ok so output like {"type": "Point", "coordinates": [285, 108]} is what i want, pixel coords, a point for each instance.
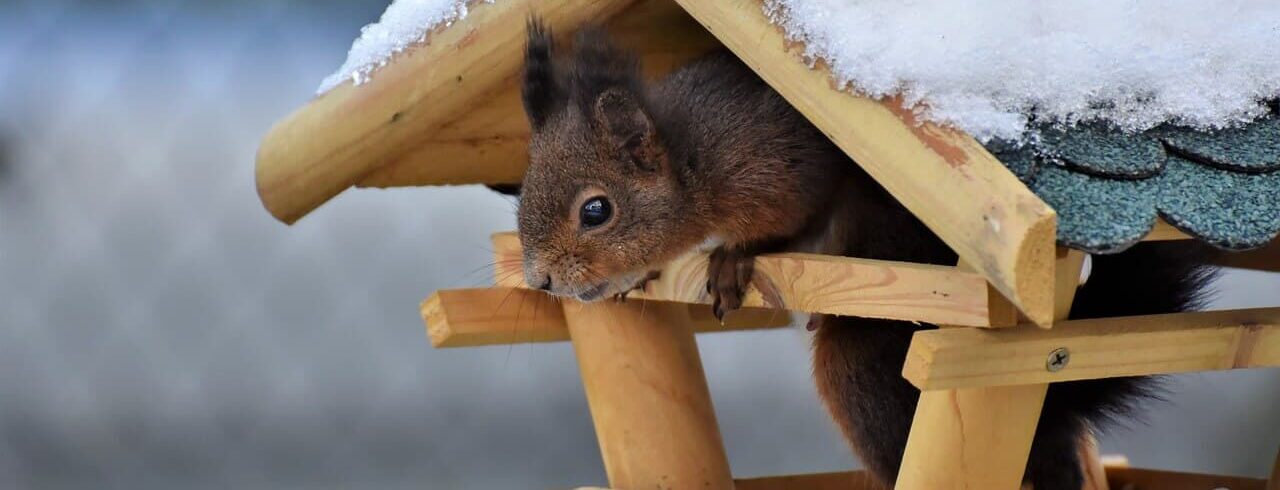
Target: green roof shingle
{"type": "Point", "coordinates": [1109, 186]}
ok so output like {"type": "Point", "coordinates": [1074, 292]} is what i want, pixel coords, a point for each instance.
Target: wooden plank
{"type": "Point", "coordinates": [1102, 348]}
{"type": "Point", "coordinates": [1163, 231]}
{"type": "Point", "coordinates": [971, 438]}
{"type": "Point", "coordinates": [1066, 280]}
{"type": "Point", "coordinates": [841, 480]}
{"type": "Point", "coordinates": [499, 316]}
{"type": "Point", "coordinates": [489, 143]}
{"type": "Point", "coordinates": [1000, 312]}
{"type": "Point", "coordinates": [1095, 473]}
{"type": "Point", "coordinates": [343, 135]}
{"type": "Point", "coordinates": [1144, 479]}
{"type": "Point", "coordinates": [948, 180]}
{"type": "Point", "coordinates": [981, 437]}
{"type": "Point", "coordinates": [648, 396]}
{"type": "Point", "coordinates": [812, 284]}
{"type": "Point", "coordinates": [1263, 259]}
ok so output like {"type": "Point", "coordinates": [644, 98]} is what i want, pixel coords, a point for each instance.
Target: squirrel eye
{"type": "Point", "coordinates": [595, 212]}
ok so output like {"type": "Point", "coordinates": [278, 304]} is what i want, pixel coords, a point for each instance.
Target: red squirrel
{"type": "Point", "coordinates": [625, 175]}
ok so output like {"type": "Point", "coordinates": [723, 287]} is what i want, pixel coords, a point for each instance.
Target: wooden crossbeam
{"type": "Point", "coordinates": [499, 315]}
{"type": "Point", "coordinates": [814, 284]}
{"type": "Point", "coordinates": [1119, 477]}
{"type": "Point", "coordinates": [1163, 231]}
{"type": "Point", "coordinates": [1263, 259]}
{"type": "Point", "coordinates": [489, 143]}
{"type": "Point", "coordinates": [342, 136]}
{"type": "Point", "coordinates": [945, 177]}
{"type": "Point", "coordinates": [840, 480]}
{"type": "Point", "coordinates": [1102, 348]}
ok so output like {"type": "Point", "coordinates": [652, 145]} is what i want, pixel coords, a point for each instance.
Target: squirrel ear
{"type": "Point", "coordinates": [541, 91]}
{"type": "Point", "coordinates": [627, 128]}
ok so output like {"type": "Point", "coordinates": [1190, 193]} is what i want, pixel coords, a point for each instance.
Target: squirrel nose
{"type": "Point", "coordinates": [546, 284]}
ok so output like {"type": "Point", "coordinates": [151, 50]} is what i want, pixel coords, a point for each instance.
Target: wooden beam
{"type": "Point", "coordinates": [499, 316]}
{"type": "Point", "coordinates": [1142, 479]}
{"type": "Point", "coordinates": [1119, 475]}
{"type": "Point", "coordinates": [1163, 231]}
{"type": "Point", "coordinates": [813, 284]}
{"type": "Point", "coordinates": [348, 132]}
{"type": "Point", "coordinates": [948, 180]}
{"type": "Point", "coordinates": [648, 395]}
{"type": "Point", "coordinates": [1263, 259]}
{"type": "Point", "coordinates": [1095, 472]}
{"type": "Point", "coordinates": [981, 437]}
{"type": "Point", "coordinates": [971, 438]}
{"type": "Point", "coordinates": [1102, 348]}
{"type": "Point", "coordinates": [489, 144]}
{"type": "Point", "coordinates": [841, 480]}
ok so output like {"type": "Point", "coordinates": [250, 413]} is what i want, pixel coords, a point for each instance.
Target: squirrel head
{"type": "Point", "coordinates": [600, 202]}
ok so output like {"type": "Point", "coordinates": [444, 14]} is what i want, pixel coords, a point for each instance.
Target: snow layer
{"type": "Point", "coordinates": [405, 22]}
{"type": "Point", "coordinates": [984, 65]}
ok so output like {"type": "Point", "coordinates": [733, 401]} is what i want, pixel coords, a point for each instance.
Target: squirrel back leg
{"type": "Point", "coordinates": [873, 404]}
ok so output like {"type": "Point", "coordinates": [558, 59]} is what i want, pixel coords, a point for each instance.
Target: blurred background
{"type": "Point", "coordinates": [159, 330]}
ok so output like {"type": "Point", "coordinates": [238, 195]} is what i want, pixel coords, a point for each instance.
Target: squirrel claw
{"type": "Point", "coordinates": [728, 277]}
{"type": "Point", "coordinates": [718, 311]}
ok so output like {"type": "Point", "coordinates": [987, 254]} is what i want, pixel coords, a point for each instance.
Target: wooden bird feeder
{"type": "Point", "coordinates": [447, 112]}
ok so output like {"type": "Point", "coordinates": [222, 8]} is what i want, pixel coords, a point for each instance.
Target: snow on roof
{"type": "Point", "coordinates": [405, 22]}
{"type": "Point", "coordinates": [984, 65]}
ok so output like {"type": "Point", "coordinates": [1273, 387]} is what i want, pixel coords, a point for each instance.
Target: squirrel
{"type": "Point", "coordinates": [625, 175]}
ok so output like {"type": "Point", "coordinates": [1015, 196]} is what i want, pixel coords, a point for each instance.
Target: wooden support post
{"type": "Point", "coordinates": [1095, 475]}
{"type": "Point", "coordinates": [648, 396]}
{"type": "Point", "coordinates": [980, 437]}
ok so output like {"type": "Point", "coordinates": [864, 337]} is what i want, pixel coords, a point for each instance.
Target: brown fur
{"type": "Point", "coordinates": [711, 152]}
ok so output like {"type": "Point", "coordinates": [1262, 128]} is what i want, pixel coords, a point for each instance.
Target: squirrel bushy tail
{"type": "Point", "coordinates": [858, 364]}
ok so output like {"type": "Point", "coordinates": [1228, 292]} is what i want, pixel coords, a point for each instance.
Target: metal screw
{"type": "Point", "coordinates": [1058, 359]}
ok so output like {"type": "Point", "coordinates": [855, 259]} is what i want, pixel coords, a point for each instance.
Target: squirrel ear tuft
{"type": "Point", "coordinates": [541, 91]}
{"type": "Point", "coordinates": [625, 125]}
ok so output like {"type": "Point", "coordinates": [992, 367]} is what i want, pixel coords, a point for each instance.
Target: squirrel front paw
{"type": "Point", "coordinates": [728, 277]}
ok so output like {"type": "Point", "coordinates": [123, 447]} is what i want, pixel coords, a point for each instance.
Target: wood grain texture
{"type": "Point", "coordinates": [499, 316]}
{"type": "Point", "coordinates": [971, 438]}
{"type": "Point", "coordinates": [1263, 259]}
{"type": "Point", "coordinates": [488, 144]}
{"type": "Point", "coordinates": [1095, 473]}
{"type": "Point", "coordinates": [1163, 231]}
{"type": "Point", "coordinates": [1101, 348]}
{"type": "Point", "coordinates": [648, 396]}
{"type": "Point", "coordinates": [843, 480]}
{"type": "Point", "coordinates": [340, 137]}
{"type": "Point", "coordinates": [813, 284]}
{"type": "Point", "coordinates": [946, 178]}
